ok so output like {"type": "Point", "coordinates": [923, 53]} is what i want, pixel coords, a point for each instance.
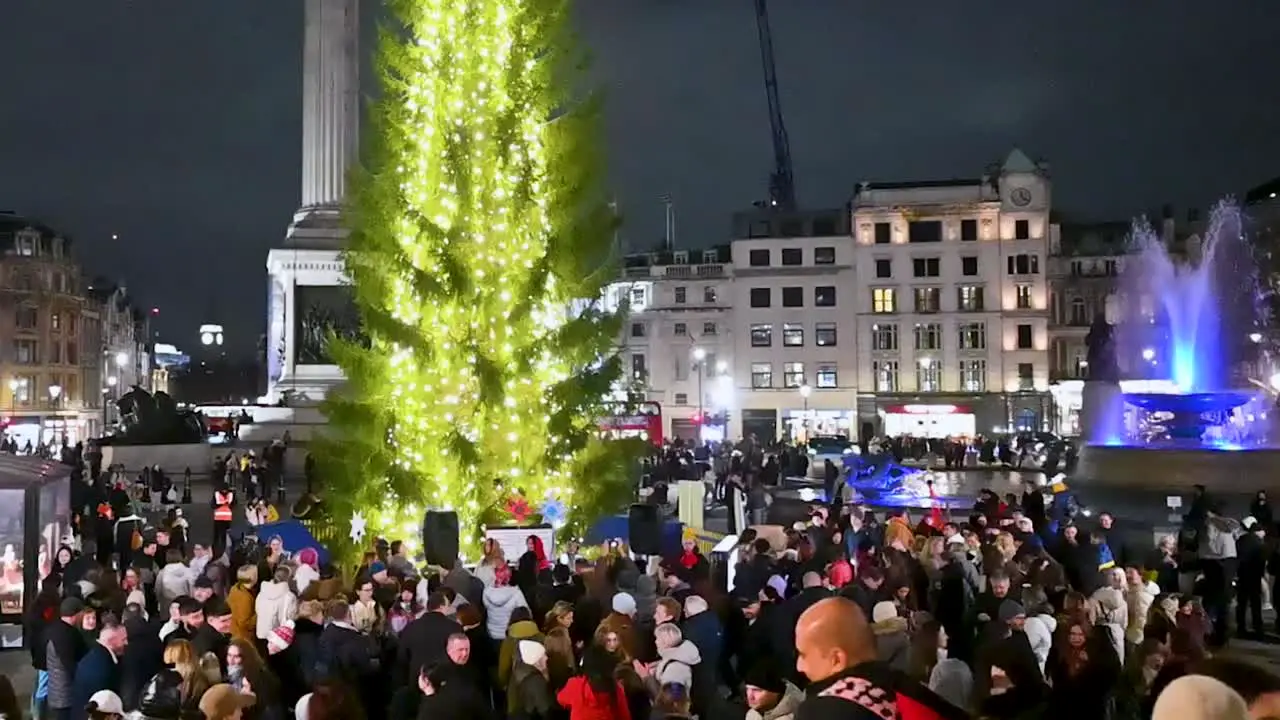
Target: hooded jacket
{"type": "Point", "coordinates": [1113, 615]}
{"type": "Point", "coordinates": [893, 645]}
{"type": "Point", "coordinates": [173, 581]}
{"type": "Point", "coordinates": [675, 664]}
{"type": "Point", "coordinates": [499, 603]}
{"type": "Point", "coordinates": [1139, 599]}
{"type": "Point", "coordinates": [275, 605]}
{"type": "Point", "coordinates": [1039, 630]}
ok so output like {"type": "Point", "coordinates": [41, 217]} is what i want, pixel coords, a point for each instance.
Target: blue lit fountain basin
{"type": "Point", "coordinates": [1228, 471]}
{"type": "Point", "coordinates": [1198, 403]}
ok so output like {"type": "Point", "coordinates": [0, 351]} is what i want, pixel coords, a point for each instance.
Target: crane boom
{"type": "Point", "coordinates": [782, 191]}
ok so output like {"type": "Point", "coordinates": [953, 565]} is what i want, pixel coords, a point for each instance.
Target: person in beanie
{"type": "Point", "coordinates": [769, 696]}
{"type": "Point", "coordinates": [529, 694]}
{"type": "Point", "coordinates": [279, 639]}
{"type": "Point", "coordinates": [64, 646]}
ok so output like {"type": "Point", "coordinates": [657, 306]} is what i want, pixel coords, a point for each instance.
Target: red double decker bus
{"type": "Point", "coordinates": [627, 420]}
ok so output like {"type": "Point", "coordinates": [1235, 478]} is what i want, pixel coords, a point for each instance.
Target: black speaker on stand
{"type": "Point", "coordinates": [644, 529]}
{"type": "Point", "coordinates": [440, 538]}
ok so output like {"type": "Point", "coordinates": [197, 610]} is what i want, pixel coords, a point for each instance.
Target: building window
{"type": "Point", "coordinates": [680, 257]}
{"type": "Point", "coordinates": [927, 299]}
{"type": "Point", "coordinates": [924, 231]}
{"type": "Point", "coordinates": [926, 267]}
{"type": "Point", "coordinates": [681, 367]}
{"type": "Point", "coordinates": [680, 295]}
{"type": "Point", "coordinates": [792, 297]}
{"type": "Point", "coordinates": [1022, 296]}
{"type": "Point", "coordinates": [1021, 230]}
{"type": "Point", "coordinates": [824, 256]}
{"type": "Point", "coordinates": [973, 375]}
{"type": "Point", "coordinates": [928, 336]}
{"type": "Point", "coordinates": [55, 321]}
{"type": "Point", "coordinates": [1026, 376]}
{"type": "Point", "coordinates": [761, 375]}
{"type": "Point", "coordinates": [1025, 337]}
{"type": "Point", "coordinates": [1024, 264]}
{"type": "Point", "coordinates": [73, 354]}
{"type": "Point", "coordinates": [792, 335]}
{"type": "Point", "coordinates": [710, 256]}
{"type": "Point", "coordinates": [707, 365]}
{"type": "Point", "coordinates": [709, 328]}
{"type": "Point", "coordinates": [884, 300]}
{"type": "Point", "coordinates": [792, 256]}
{"type": "Point", "coordinates": [27, 352]}
{"type": "Point", "coordinates": [827, 377]}
{"type": "Point", "coordinates": [824, 334]}
{"type": "Point", "coordinates": [758, 258]}
{"type": "Point", "coordinates": [884, 233]}
{"type": "Point", "coordinates": [792, 374]}
{"type": "Point", "coordinates": [682, 398]}
{"type": "Point", "coordinates": [637, 297]}
{"type": "Point", "coordinates": [928, 376]}
{"type": "Point", "coordinates": [761, 335]}
{"type": "Point", "coordinates": [973, 336]}
{"type": "Point", "coordinates": [884, 268]}
{"type": "Point", "coordinates": [969, 265]}
{"type": "Point", "coordinates": [886, 372]}
{"type": "Point", "coordinates": [761, 297]}
{"type": "Point", "coordinates": [24, 385]}
{"type": "Point", "coordinates": [71, 323]}
{"type": "Point", "coordinates": [1078, 316]}
{"type": "Point", "coordinates": [1081, 367]}
{"type": "Point", "coordinates": [637, 330]}
{"type": "Point", "coordinates": [824, 296]}
{"type": "Point", "coordinates": [884, 337]}
{"type": "Point", "coordinates": [968, 230]}
{"type": "Point", "coordinates": [709, 294]}
{"type": "Point", "coordinates": [55, 353]}
{"type": "Point", "coordinates": [681, 330]}
{"type": "Point", "coordinates": [639, 370]}
{"type": "Point", "coordinates": [27, 318]}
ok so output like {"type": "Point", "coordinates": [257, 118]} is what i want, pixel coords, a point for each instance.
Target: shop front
{"type": "Point", "coordinates": [38, 430]}
{"type": "Point", "coordinates": [799, 425]}
{"type": "Point", "coordinates": [762, 423]}
{"type": "Point", "coordinates": [931, 416]}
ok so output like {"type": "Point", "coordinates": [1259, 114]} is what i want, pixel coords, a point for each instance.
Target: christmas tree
{"type": "Point", "coordinates": [480, 241]}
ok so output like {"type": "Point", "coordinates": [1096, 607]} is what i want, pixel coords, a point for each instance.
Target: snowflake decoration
{"type": "Point", "coordinates": [518, 508]}
{"type": "Point", "coordinates": [553, 511]}
{"type": "Point", "coordinates": [357, 527]}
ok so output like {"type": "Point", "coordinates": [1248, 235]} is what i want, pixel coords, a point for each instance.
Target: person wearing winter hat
{"type": "Point", "coordinates": [104, 705]}
{"type": "Point", "coordinates": [1199, 697]}
{"type": "Point", "coordinates": [1013, 614]}
{"type": "Point", "coordinates": [893, 643]}
{"type": "Point", "coordinates": [308, 569]}
{"type": "Point", "coordinates": [624, 604]}
{"type": "Point", "coordinates": [280, 638]}
{"type": "Point", "coordinates": [769, 695]}
{"type": "Point", "coordinates": [621, 622]}
{"type": "Point", "coordinates": [529, 694]}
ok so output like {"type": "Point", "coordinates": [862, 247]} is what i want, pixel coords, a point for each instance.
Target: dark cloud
{"type": "Point", "coordinates": [176, 124]}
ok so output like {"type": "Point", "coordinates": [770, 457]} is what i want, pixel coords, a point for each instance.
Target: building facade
{"type": "Point", "coordinates": [951, 300]}
{"type": "Point", "coordinates": [678, 340]}
{"type": "Point", "coordinates": [50, 375]}
{"type": "Point", "coordinates": [793, 323]}
{"type": "Point", "coordinates": [124, 354]}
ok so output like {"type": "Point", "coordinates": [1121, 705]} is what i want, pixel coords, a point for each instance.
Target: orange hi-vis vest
{"type": "Point", "coordinates": [222, 511]}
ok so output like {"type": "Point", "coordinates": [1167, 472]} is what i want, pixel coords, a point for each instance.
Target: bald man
{"type": "Point", "coordinates": [837, 652]}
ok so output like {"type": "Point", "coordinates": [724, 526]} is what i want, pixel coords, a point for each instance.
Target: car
{"type": "Point", "coordinates": [828, 447]}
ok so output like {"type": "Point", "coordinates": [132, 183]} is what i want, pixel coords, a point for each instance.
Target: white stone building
{"type": "Point", "coordinates": [678, 342]}
{"type": "Point", "coordinates": [793, 325]}
{"type": "Point", "coordinates": [951, 302]}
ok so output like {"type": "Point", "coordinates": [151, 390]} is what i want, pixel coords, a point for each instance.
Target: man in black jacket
{"type": "Point", "coordinates": [64, 646]}
{"type": "Point", "coordinates": [423, 641]}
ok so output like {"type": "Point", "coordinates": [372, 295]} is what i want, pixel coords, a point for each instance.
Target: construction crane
{"type": "Point", "coordinates": [782, 189]}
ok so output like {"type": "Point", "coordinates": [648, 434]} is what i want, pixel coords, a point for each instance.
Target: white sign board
{"type": "Point", "coordinates": [1173, 502]}
{"type": "Point", "coordinates": [512, 540]}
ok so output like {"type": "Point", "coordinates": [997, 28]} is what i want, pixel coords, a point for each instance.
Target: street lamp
{"type": "Point", "coordinates": [112, 381]}
{"type": "Point", "coordinates": [805, 392]}
{"type": "Point", "coordinates": [1148, 354]}
{"type": "Point", "coordinates": [1255, 337]}
{"type": "Point", "coordinates": [699, 356]}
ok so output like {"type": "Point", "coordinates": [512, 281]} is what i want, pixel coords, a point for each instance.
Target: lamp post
{"type": "Point", "coordinates": [699, 355]}
{"type": "Point", "coordinates": [122, 359]}
{"type": "Point", "coordinates": [112, 381]}
{"type": "Point", "coordinates": [805, 391]}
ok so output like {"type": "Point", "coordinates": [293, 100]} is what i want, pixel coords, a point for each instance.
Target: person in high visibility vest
{"type": "Point", "coordinates": [224, 500]}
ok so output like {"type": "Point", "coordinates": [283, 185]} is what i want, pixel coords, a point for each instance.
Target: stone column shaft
{"type": "Point", "coordinates": [330, 100]}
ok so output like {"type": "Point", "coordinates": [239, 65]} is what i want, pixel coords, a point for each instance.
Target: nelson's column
{"type": "Point", "coordinates": [307, 294]}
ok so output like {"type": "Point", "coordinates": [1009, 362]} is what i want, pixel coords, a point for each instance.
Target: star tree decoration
{"type": "Point", "coordinates": [358, 524]}
{"type": "Point", "coordinates": [480, 248]}
{"type": "Point", "coordinates": [553, 512]}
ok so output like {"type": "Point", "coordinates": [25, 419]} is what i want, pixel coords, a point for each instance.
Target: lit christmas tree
{"type": "Point", "coordinates": [477, 229]}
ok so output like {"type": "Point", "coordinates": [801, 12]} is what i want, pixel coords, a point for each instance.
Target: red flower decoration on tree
{"type": "Point", "coordinates": [518, 508]}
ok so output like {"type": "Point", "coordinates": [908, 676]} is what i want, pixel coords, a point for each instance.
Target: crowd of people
{"type": "Point", "coordinates": [1019, 610]}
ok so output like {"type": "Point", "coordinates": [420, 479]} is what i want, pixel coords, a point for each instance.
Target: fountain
{"type": "Point", "coordinates": [1186, 323]}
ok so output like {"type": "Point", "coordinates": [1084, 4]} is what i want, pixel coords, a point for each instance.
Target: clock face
{"type": "Point", "coordinates": [1020, 196]}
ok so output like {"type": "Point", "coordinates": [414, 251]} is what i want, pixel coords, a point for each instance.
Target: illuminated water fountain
{"type": "Point", "coordinates": [1187, 322]}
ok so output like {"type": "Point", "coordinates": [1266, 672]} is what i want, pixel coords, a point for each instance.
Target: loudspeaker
{"type": "Point", "coordinates": [440, 538]}
{"type": "Point", "coordinates": [644, 529]}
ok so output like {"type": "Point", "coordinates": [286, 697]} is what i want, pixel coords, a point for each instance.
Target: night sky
{"type": "Point", "coordinates": [176, 123]}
